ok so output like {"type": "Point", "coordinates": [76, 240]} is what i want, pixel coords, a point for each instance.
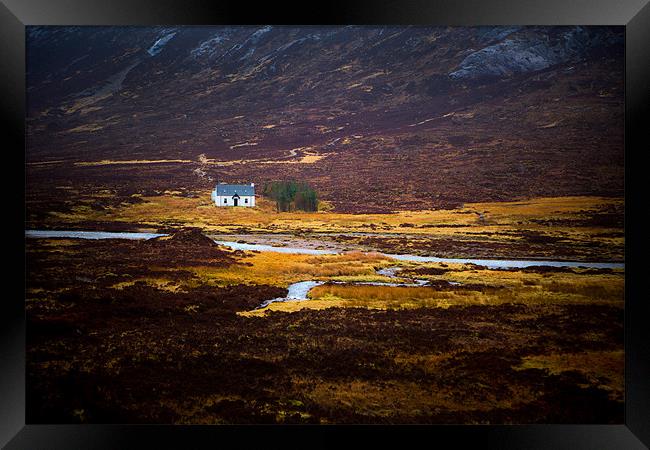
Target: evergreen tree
{"type": "Point", "coordinates": [291, 195]}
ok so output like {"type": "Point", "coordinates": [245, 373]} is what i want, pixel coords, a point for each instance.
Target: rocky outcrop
{"type": "Point", "coordinates": [532, 50]}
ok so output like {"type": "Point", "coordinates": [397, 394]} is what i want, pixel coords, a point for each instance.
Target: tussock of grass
{"type": "Point", "coordinates": [364, 279]}
{"type": "Point", "coordinates": [350, 256]}
{"type": "Point", "coordinates": [563, 282]}
{"type": "Point", "coordinates": [158, 283]}
{"type": "Point", "coordinates": [390, 297]}
{"type": "Point", "coordinates": [283, 269]}
{"type": "Point", "coordinates": [395, 297]}
{"type": "Point", "coordinates": [594, 289]}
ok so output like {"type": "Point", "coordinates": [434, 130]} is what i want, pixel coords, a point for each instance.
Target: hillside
{"type": "Point", "coordinates": [376, 118]}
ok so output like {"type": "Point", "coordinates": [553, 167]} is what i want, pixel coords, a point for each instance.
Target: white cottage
{"type": "Point", "coordinates": [234, 195]}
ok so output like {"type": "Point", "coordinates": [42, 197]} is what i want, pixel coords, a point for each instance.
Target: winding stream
{"type": "Point", "coordinates": [489, 263]}
{"type": "Point", "coordinates": [299, 291]}
{"type": "Point", "coordinates": [271, 248]}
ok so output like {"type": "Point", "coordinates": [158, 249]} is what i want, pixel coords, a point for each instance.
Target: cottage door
{"type": "Point", "coordinates": [236, 200]}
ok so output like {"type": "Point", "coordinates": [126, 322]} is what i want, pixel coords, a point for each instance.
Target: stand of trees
{"type": "Point", "coordinates": [291, 195]}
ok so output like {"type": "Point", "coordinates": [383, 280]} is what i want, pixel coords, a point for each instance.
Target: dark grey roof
{"type": "Point", "coordinates": [232, 189]}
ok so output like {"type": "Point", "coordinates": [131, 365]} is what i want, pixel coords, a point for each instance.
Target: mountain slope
{"type": "Point", "coordinates": [377, 118]}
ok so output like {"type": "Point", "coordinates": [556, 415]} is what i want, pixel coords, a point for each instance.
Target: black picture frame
{"type": "Point", "coordinates": [633, 14]}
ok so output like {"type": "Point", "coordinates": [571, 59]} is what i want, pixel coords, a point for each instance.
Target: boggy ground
{"type": "Point", "coordinates": [117, 331]}
{"type": "Point", "coordinates": [565, 228]}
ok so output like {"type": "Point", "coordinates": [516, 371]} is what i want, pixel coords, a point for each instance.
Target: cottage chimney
{"type": "Point", "coordinates": [253, 184]}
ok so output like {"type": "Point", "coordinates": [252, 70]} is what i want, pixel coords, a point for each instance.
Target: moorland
{"type": "Point", "coordinates": [479, 142]}
{"type": "Point", "coordinates": [171, 330]}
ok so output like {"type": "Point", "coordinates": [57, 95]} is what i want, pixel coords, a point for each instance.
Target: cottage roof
{"type": "Point", "coordinates": [232, 189]}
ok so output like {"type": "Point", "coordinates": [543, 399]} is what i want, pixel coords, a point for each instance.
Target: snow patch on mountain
{"type": "Point", "coordinates": [207, 47]}
{"type": "Point", "coordinates": [160, 43]}
{"type": "Point", "coordinates": [255, 36]}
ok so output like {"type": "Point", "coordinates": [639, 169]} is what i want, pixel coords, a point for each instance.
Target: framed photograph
{"type": "Point", "coordinates": [402, 221]}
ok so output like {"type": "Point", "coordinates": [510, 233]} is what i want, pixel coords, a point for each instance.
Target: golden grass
{"type": "Point", "coordinates": [397, 295]}
{"type": "Point", "coordinates": [598, 289]}
{"type": "Point", "coordinates": [353, 256]}
{"type": "Point", "coordinates": [388, 398]}
{"type": "Point", "coordinates": [283, 269]}
{"type": "Point", "coordinates": [498, 217]}
{"type": "Point", "coordinates": [279, 269]}
{"type": "Point", "coordinates": [294, 306]}
{"type": "Point", "coordinates": [499, 286]}
{"type": "Point", "coordinates": [311, 158]}
{"type": "Point", "coordinates": [543, 207]}
{"type": "Point", "coordinates": [608, 284]}
{"type": "Point", "coordinates": [158, 283]}
{"type": "Point", "coordinates": [603, 369]}
{"type": "Point", "coordinates": [429, 363]}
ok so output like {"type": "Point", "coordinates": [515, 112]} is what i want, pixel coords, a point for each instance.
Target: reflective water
{"type": "Point", "coordinates": [490, 263]}
{"type": "Point", "coordinates": [89, 234]}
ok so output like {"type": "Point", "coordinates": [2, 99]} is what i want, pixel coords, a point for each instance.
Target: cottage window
{"type": "Point", "coordinates": [245, 200]}
{"type": "Point", "coordinates": [225, 200]}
